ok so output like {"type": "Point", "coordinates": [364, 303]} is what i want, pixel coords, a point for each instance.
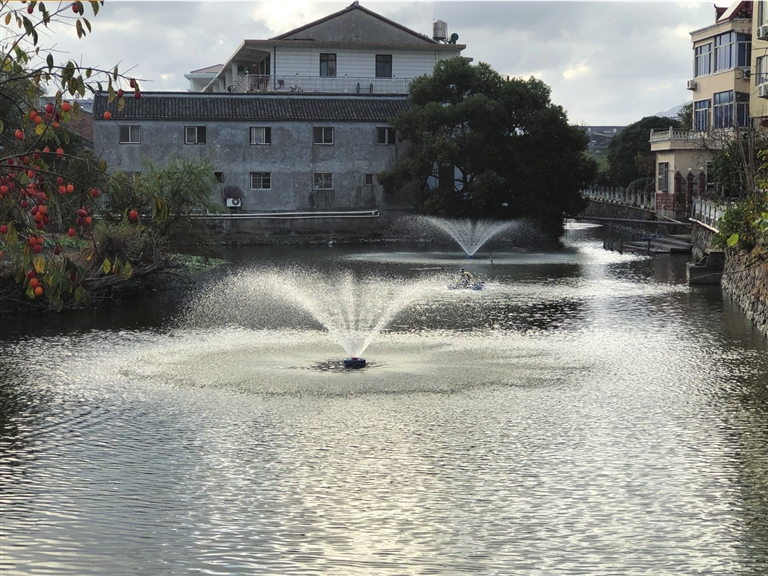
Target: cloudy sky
{"type": "Point", "coordinates": [608, 63]}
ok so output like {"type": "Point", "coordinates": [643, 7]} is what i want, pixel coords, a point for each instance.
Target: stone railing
{"type": "Point", "coordinates": [337, 84]}
{"type": "Point", "coordinates": [618, 195]}
{"type": "Point", "coordinates": [672, 134]}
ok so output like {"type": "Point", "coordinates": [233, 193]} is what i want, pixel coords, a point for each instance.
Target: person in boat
{"type": "Point", "coordinates": [465, 278]}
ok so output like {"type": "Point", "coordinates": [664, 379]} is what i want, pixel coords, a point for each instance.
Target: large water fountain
{"type": "Point", "coordinates": [353, 308]}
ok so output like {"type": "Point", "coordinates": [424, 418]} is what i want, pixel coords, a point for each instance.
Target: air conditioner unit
{"type": "Point", "coordinates": [691, 85]}
{"type": "Point", "coordinates": [762, 91]}
{"type": "Point", "coordinates": [234, 202]}
{"type": "Point", "coordinates": [762, 32]}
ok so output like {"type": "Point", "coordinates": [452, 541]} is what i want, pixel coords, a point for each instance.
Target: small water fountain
{"type": "Point", "coordinates": [469, 234]}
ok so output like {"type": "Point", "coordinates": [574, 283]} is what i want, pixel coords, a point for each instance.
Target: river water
{"type": "Point", "coordinates": [585, 413]}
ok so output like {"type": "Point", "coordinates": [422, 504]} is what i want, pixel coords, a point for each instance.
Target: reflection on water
{"type": "Point", "coordinates": [587, 413]}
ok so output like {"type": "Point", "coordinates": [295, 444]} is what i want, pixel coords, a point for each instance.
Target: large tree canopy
{"type": "Point", "coordinates": [629, 152]}
{"type": "Point", "coordinates": [482, 146]}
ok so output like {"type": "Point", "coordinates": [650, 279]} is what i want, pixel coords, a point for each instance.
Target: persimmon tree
{"type": "Point", "coordinates": [50, 193]}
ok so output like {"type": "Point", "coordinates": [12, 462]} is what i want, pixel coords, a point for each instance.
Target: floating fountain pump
{"type": "Point", "coordinates": [354, 363]}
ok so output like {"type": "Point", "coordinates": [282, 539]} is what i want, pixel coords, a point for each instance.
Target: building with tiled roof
{"type": "Point", "coordinates": [296, 126]}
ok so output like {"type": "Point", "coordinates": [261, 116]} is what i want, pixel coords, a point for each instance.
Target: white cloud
{"type": "Point", "coordinates": [578, 70]}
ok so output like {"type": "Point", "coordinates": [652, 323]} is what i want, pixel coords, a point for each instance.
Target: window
{"type": "Point", "coordinates": [219, 176]}
{"type": "Point", "coordinates": [742, 110]}
{"type": "Point", "coordinates": [194, 134]}
{"type": "Point", "coordinates": [732, 50]}
{"type": "Point", "coordinates": [703, 60]}
{"type": "Point", "coordinates": [328, 65]}
{"type": "Point", "coordinates": [701, 115]}
{"type": "Point", "coordinates": [261, 135]}
{"type": "Point", "coordinates": [261, 180]}
{"type": "Point", "coordinates": [663, 176]}
{"type": "Point", "coordinates": [369, 179]}
{"type": "Point", "coordinates": [385, 136]}
{"type": "Point", "coordinates": [761, 70]}
{"type": "Point", "coordinates": [723, 109]}
{"type": "Point", "coordinates": [323, 181]}
{"type": "Point", "coordinates": [724, 51]}
{"type": "Point", "coordinates": [322, 135]}
{"type": "Point", "coordinates": [130, 134]}
{"type": "Point", "coordinates": [383, 66]}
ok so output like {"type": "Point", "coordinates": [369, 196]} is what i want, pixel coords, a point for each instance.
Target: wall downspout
{"type": "Point", "coordinates": [274, 68]}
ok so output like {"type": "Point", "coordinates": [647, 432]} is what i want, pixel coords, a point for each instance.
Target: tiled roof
{"type": "Point", "coordinates": [202, 106]}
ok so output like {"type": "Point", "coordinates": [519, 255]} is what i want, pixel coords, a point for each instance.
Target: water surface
{"type": "Point", "coordinates": [586, 413]}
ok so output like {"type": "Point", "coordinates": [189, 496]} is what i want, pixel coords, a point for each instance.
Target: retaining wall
{"type": "Point", "coordinates": [747, 285]}
{"type": "Point", "coordinates": [599, 209]}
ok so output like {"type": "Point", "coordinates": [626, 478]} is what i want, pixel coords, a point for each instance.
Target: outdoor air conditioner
{"type": "Point", "coordinates": [762, 32]}
{"type": "Point", "coordinates": [762, 91]}
{"type": "Point", "coordinates": [691, 85]}
{"type": "Point", "coordinates": [234, 202]}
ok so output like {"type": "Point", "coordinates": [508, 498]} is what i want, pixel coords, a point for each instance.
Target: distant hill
{"type": "Point", "coordinates": [672, 112]}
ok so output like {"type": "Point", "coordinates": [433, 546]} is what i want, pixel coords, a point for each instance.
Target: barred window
{"type": "Point", "coordinates": [261, 181]}
{"type": "Point", "coordinates": [323, 181]}
{"type": "Point", "coordinates": [663, 177]}
{"type": "Point", "coordinates": [261, 135]}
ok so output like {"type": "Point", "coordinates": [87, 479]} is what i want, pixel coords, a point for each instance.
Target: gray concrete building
{"type": "Point", "coordinates": [296, 126]}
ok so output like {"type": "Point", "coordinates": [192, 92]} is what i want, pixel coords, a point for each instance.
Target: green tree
{"type": "Point", "coordinates": [685, 117]}
{"type": "Point", "coordinates": [629, 152]}
{"type": "Point", "coordinates": [482, 146]}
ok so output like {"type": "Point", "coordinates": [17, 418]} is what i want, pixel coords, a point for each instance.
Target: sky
{"type": "Point", "coordinates": [608, 63]}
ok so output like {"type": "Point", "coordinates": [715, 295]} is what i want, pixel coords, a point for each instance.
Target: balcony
{"type": "Point", "coordinates": [250, 83]}
{"type": "Point", "coordinates": [673, 139]}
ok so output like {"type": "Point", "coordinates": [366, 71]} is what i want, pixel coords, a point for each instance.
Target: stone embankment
{"type": "Point", "coordinates": [746, 283]}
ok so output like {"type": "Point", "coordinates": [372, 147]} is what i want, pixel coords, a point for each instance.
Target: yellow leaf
{"type": "Point", "coordinates": [39, 264]}
{"type": "Point", "coordinates": [90, 256]}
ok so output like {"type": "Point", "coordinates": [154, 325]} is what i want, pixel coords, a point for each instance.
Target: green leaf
{"type": "Point", "coordinates": [95, 6]}
{"type": "Point", "coordinates": [121, 104]}
{"type": "Point", "coordinates": [732, 240]}
{"type": "Point", "coordinates": [80, 294]}
{"type": "Point", "coordinates": [79, 28]}
{"type": "Point", "coordinates": [87, 24]}
{"type": "Point", "coordinates": [106, 266]}
{"type": "Point", "coordinates": [49, 60]}
{"type": "Point", "coordinates": [128, 270]}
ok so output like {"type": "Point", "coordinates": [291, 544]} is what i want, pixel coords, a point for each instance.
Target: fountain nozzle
{"type": "Point", "coordinates": [354, 363]}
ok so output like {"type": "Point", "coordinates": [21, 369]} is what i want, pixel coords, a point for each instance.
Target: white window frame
{"type": "Point", "coordinates": [265, 133]}
{"type": "Point", "coordinates": [322, 136]}
{"type": "Point", "coordinates": [261, 180]}
{"type": "Point", "coordinates": [701, 120]}
{"type": "Point", "coordinates": [385, 136]}
{"type": "Point", "coordinates": [702, 60]}
{"type": "Point", "coordinates": [192, 134]}
{"type": "Point", "coordinates": [134, 134]}
{"type": "Point", "coordinates": [322, 181]}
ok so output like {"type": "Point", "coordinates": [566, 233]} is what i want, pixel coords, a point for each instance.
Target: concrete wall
{"type": "Point", "coordinates": [747, 286]}
{"type": "Point", "coordinates": [291, 159]}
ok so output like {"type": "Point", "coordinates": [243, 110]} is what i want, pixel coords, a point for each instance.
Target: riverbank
{"type": "Point", "coordinates": [745, 282]}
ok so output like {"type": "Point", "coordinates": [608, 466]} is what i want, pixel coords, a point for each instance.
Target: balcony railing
{"type": "Point", "coordinates": [672, 134]}
{"type": "Point", "coordinates": [338, 84]}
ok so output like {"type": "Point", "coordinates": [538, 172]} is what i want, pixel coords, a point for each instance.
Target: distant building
{"type": "Point", "coordinates": [600, 137]}
{"type": "Point", "coordinates": [294, 124]}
